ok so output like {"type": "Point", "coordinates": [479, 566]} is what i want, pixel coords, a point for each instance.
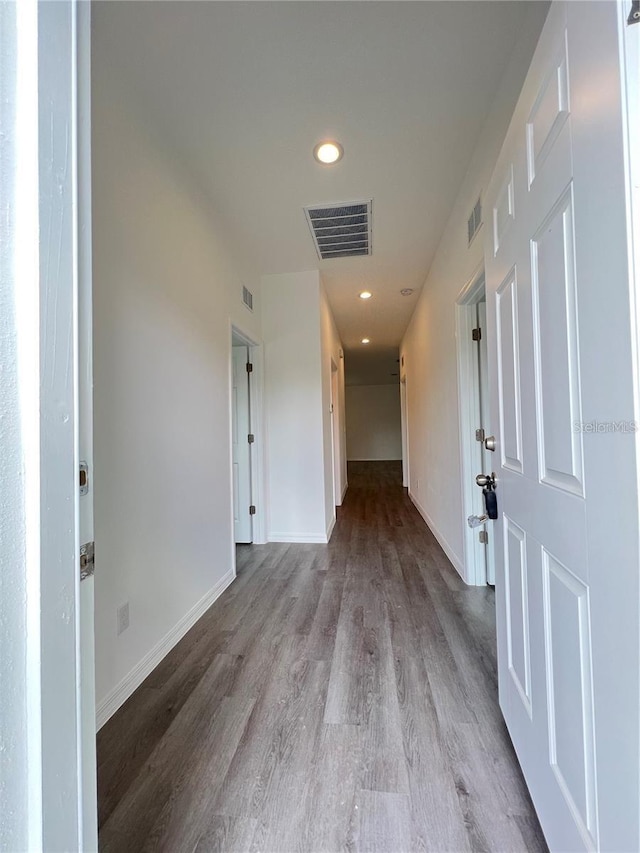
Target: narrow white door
{"type": "Point", "coordinates": [241, 425]}
{"type": "Point", "coordinates": [85, 434]}
{"type": "Point", "coordinates": [562, 401]}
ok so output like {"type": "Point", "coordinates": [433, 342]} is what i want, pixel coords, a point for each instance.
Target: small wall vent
{"type": "Point", "coordinates": [341, 230]}
{"type": "Point", "coordinates": [247, 298]}
{"type": "Point", "coordinates": [474, 222]}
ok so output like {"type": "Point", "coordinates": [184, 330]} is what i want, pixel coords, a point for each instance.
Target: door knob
{"type": "Point", "coordinates": [486, 481]}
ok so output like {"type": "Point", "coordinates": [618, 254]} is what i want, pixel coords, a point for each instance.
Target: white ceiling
{"type": "Point", "coordinates": [244, 90]}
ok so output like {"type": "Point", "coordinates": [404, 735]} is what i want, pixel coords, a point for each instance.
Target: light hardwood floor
{"type": "Point", "coordinates": [338, 697]}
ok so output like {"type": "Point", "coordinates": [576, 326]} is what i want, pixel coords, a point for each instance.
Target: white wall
{"type": "Point", "coordinates": [332, 353]}
{"type": "Point", "coordinates": [165, 293]}
{"type": "Point", "coordinates": [294, 397]}
{"type": "Point", "coordinates": [429, 345]}
{"type": "Point", "coordinates": [373, 422]}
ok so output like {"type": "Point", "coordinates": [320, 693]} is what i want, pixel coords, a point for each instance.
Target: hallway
{"type": "Point", "coordinates": [338, 697]}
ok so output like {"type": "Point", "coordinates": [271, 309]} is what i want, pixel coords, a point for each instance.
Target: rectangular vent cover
{"type": "Point", "coordinates": [474, 222]}
{"type": "Point", "coordinates": [341, 230]}
{"type": "Point", "coordinates": [247, 298]}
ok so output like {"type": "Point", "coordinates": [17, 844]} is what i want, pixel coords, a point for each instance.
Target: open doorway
{"type": "Point", "coordinates": [241, 440]}
{"type": "Point", "coordinates": [475, 428]}
{"type": "Point", "coordinates": [373, 406]}
{"type": "Point", "coordinates": [404, 426]}
{"type": "Point", "coordinates": [335, 435]}
{"type": "Point", "coordinates": [245, 430]}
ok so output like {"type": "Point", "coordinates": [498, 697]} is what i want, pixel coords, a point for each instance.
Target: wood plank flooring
{"type": "Point", "coordinates": [339, 697]}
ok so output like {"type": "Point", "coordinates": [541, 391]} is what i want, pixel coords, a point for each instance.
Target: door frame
{"type": "Point", "coordinates": [476, 554]}
{"type": "Point", "coordinates": [256, 402]}
{"type": "Point", "coordinates": [86, 601]}
{"type": "Point", "coordinates": [630, 60]}
{"type": "Point", "coordinates": [43, 57]}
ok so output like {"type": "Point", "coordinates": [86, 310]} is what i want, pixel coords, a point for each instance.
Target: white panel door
{"type": "Point", "coordinates": [241, 426]}
{"type": "Point", "coordinates": [562, 401]}
{"type": "Point", "coordinates": [85, 430]}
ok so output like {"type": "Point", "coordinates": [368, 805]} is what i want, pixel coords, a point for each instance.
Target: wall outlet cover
{"type": "Point", "coordinates": [123, 617]}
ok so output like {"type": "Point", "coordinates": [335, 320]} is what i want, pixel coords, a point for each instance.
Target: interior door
{"type": "Point", "coordinates": [562, 401]}
{"type": "Point", "coordinates": [241, 426]}
{"type": "Point", "coordinates": [85, 433]}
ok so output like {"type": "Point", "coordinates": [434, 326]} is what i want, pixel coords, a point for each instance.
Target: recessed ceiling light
{"type": "Point", "coordinates": [365, 295]}
{"type": "Point", "coordinates": [406, 291]}
{"type": "Point", "coordinates": [328, 152]}
{"type": "Point", "coordinates": [366, 341]}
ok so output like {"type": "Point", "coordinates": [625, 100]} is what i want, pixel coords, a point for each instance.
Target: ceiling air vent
{"type": "Point", "coordinates": [247, 298]}
{"type": "Point", "coordinates": [474, 222]}
{"type": "Point", "coordinates": [341, 230]}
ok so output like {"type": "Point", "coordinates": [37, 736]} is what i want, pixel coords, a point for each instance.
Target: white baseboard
{"type": "Point", "coordinates": [453, 557]}
{"type": "Point", "coordinates": [300, 538]}
{"type": "Point", "coordinates": [332, 524]}
{"type": "Point", "coordinates": [344, 492]}
{"type": "Point", "coordinates": [121, 692]}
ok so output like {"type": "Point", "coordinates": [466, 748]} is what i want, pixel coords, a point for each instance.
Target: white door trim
{"type": "Point", "coordinates": [630, 79]}
{"type": "Point", "coordinates": [60, 701]}
{"type": "Point", "coordinates": [475, 572]}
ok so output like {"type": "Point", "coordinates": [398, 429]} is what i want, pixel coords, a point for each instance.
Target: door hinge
{"type": "Point", "coordinates": [476, 334]}
{"type": "Point", "coordinates": [87, 560]}
{"type": "Point", "coordinates": [83, 479]}
{"type": "Point", "coordinates": [480, 434]}
{"type": "Point", "coordinates": [251, 438]}
{"type": "Point", "coordinates": [483, 536]}
{"type": "Point", "coordinates": [634, 14]}
{"type": "Point", "coordinates": [252, 510]}
{"type": "Point", "coordinates": [249, 367]}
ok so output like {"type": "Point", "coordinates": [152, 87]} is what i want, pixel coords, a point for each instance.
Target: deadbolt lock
{"type": "Point", "coordinates": [490, 442]}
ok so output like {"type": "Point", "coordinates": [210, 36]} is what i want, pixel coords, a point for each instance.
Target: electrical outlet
{"type": "Point", "coordinates": [123, 617]}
